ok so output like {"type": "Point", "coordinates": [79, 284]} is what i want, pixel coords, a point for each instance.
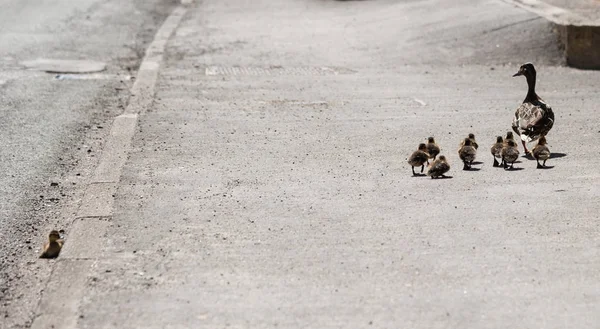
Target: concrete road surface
{"type": "Point", "coordinates": [266, 184]}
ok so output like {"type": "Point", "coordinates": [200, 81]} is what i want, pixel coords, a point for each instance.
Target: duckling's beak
{"type": "Point", "coordinates": [518, 73]}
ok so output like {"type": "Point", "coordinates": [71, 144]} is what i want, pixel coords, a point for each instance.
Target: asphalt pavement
{"type": "Point", "coordinates": [264, 183]}
{"type": "Point", "coordinates": [52, 129]}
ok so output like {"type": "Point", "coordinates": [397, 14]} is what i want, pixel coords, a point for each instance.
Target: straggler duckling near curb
{"type": "Point", "coordinates": [467, 153]}
{"type": "Point", "coordinates": [438, 167]}
{"type": "Point", "coordinates": [534, 118]}
{"type": "Point", "coordinates": [497, 150]}
{"type": "Point", "coordinates": [53, 246]}
{"type": "Point", "coordinates": [432, 148]}
{"type": "Point", "coordinates": [419, 158]}
{"type": "Point", "coordinates": [541, 152]}
{"type": "Point", "coordinates": [510, 153]}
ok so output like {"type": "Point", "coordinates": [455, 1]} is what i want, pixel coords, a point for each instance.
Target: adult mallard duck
{"type": "Point", "coordinates": [534, 118]}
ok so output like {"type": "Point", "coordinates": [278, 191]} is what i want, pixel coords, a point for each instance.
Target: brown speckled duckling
{"type": "Point", "coordinates": [53, 246]}
{"type": "Point", "coordinates": [438, 167]}
{"type": "Point", "coordinates": [473, 142]}
{"type": "Point", "coordinates": [419, 158]}
{"type": "Point", "coordinates": [510, 153]}
{"type": "Point", "coordinates": [541, 152]}
{"type": "Point", "coordinates": [509, 136]}
{"type": "Point", "coordinates": [497, 150]}
{"type": "Point", "coordinates": [467, 153]}
{"type": "Point", "coordinates": [432, 148]}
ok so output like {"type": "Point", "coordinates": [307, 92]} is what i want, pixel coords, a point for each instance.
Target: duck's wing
{"type": "Point", "coordinates": [532, 120]}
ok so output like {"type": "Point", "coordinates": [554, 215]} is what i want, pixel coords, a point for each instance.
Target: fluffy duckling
{"type": "Point", "coordinates": [473, 142]}
{"type": "Point", "coordinates": [467, 153]}
{"type": "Point", "coordinates": [497, 150]}
{"type": "Point", "coordinates": [432, 148]}
{"type": "Point", "coordinates": [510, 153]}
{"type": "Point", "coordinates": [509, 136]}
{"type": "Point", "coordinates": [419, 158]}
{"type": "Point", "coordinates": [438, 167]}
{"type": "Point", "coordinates": [53, 246]}
{"type": "Point", "coordinates": [534, 118]}
{"type": "Point", "coordinates": [541, 152]}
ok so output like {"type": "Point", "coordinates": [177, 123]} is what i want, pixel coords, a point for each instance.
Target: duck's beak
{"type": "Point", "coordinates": [518, 73]}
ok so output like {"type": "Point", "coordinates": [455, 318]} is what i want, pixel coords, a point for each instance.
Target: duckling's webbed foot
{"type": "Point", "coordinates": [466, 166]}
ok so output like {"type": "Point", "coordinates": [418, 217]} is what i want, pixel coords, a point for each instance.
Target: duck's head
{"type": "Point", "coordinates": [53, 236]}
{"type": "Point", "coordinates": [527, 70]}
{"type": "Point", "coordinates": [499, 139]}
{"type": "Point", "coordinates": [442, 158]}
{"type": "Point", "coordinates": [509, 135]}
{"type": "Point", "coordinates": [430, 140]}
{"type": "Point", "coordinates": [422, 147]}
{"type": "Point", "coordinates": [511, 143]}
{"type": "Point", "coordinates": [467, 142]}
{"type": "Point", "coordinates": [471, 136]}
{"type": "Point", "coordinates": [542, 140]}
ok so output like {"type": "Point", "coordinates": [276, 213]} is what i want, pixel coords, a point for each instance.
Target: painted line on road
{"type": "Point", "coordinates": [59, 304]}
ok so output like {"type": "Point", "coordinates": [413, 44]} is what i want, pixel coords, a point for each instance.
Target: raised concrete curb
{"type": "Point", "coordinates": [579, 35]}
{"type": "Point", "coordinates": [58, 307]}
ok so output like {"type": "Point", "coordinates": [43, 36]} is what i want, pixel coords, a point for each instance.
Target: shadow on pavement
{"type": "Point", "coordinates": [557, 155]}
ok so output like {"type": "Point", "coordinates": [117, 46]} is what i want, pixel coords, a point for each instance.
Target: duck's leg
{"type": "Point", "coordinates": [496, 164]}
{"type": "Point", "coordinates": [544, 164]}
{"type": "Point", "coordinates": [525, 147]}
{"type": "Point", "coordinates": [539, 166]}
{"type": "Point", "coordinates": [422, 168]}
{"type": "Point", "coordinates": [465, 166]}
{"type": "Point", "coordinates": [413, 169]}
{"type": "Point", "coordinates": [512, 164]}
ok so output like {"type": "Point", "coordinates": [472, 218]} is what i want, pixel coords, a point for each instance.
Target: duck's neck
{"type": "Point", "coordinates": [531, 95]}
